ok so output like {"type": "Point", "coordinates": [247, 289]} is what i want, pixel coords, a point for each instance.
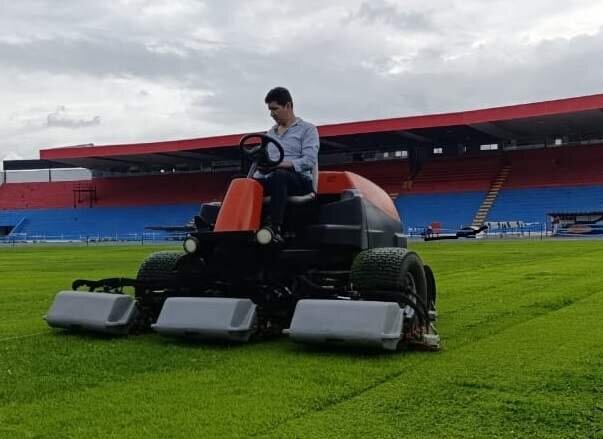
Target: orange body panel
{"type": "Point", "coordinates": [331, 182]}
{"type": "Point", "coordinates": [334, 182]}
{"type": "Point", "coordinates": [241, 209]}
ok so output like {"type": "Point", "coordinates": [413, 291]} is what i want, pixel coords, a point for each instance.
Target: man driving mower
{"type": "Point", "coordinates": [297, 172]}
{"type": "Point", "coordinates": [342, 274]}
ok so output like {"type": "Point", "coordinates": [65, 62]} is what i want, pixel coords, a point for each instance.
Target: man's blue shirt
{"type": "Point", "coordinates": [300, 144]}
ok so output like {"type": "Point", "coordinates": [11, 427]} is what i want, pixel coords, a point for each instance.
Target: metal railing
{"type": "Point", "coordinates": [141, 238]}
{"type": "Point", "coordinates": [502, 230]}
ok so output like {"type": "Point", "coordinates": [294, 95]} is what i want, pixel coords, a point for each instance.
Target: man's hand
{"type": "Point", "coordinates": [287, 164]}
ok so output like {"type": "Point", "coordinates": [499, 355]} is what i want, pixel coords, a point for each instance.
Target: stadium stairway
{"type": "Point", "coordinates": [12, 221]}
{"type": "Point", "coordinates": [448, 191]}
{"type": "Point", "coordinates": [499, 181]}
{"type": "Point", "coordinates": [19, 226]}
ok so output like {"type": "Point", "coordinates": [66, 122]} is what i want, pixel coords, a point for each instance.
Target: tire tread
{"type": "Point", "coordinates": [158, 266]}
{"type": "Point", "coordinates": [379, 269]}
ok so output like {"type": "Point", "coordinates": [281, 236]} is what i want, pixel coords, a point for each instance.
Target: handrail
{"type": "Point", "coordinates": [17, 227]}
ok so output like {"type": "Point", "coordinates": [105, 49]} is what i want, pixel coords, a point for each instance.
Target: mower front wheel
{"type": "Point", "coordinates": [157, 268]}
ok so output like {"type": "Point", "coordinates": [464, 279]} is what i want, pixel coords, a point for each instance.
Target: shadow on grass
{"type": "Point", "coordinates": [87, 335]}
{"type": "Point", "coordinates": [198, 342]}
{"type": "Point", "coordinates": [289, 347]}
{"type": "Point", "coordinates": [342, 350]}
{"type": "Point", "coordinates": [282, 342]}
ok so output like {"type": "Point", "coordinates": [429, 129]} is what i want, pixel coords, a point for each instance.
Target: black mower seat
{"type": "Point", "coordinates": [305, 198]}
{"type": "Point", "coordinates": [296, 199]}
{"type": "Point", "coordinates": [300, 199]}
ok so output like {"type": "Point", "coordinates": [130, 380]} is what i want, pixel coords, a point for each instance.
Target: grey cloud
{"type": "Point", "coordinates": [96, 57]}
{"type": "Point", "coordinates": [331, 85]}
{"type": "Point", "coordinates": [382, 12]}
{"type": "Point", "coordinates": [334, 87]}
{"type": "Point", "coordinates": [60, 118]}
{"type": "Point", "coordinates": [337, 71]}
{"type": "Point", "coordinates": [556, 69]}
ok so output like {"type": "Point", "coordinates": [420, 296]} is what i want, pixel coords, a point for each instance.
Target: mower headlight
{"type": "Point", "coordinates": [191, 244]}
{"type": "Point", "coordinates": [264, 236]}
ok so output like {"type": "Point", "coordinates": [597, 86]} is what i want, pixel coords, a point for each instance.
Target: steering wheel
{"type": "Point", "coordinates": [259, 153]}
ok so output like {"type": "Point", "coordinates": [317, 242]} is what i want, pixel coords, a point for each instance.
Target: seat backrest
{"type": "Point", "coordinates": [300, 199]}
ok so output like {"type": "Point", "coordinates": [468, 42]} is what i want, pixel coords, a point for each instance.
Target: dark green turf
{"type": "Point", "coordinates": [523, 357]}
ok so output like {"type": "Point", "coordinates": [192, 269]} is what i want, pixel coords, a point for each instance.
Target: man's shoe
{"type": "Point", "coordinates": [277, 236]}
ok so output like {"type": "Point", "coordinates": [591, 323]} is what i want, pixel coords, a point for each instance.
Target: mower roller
{"type": "Point", "coordinates": [340, 274]}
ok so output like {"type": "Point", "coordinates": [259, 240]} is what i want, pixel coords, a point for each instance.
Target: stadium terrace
{"type": "Point", "coordinates": [500, 166]}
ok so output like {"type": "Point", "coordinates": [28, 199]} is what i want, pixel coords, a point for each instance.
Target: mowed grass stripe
{"type": "Point", "coordinates": [34, 274]}
{"type": "Point", "coordinates": [543, 378]}
{"type": "Point", "coordinates": [404, 373]}
{"type": "Point", "coordinates": [495, 296]}
{"type": "Point", "coordinates": [229, 399]}
{"type": "Point", "coordinates": [19, 337]}
{"type": "Point", "coordinates": [222, 387]}
{"type": "Point", "coordinates": [279, 381]}
{"type": "Point", "coordinates": [495, 314]}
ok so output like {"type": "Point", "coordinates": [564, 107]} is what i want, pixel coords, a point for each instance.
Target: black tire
{"type": "Point", "coordinates": [431, 288]}
{"type": "Point", "coordinates": [158, 267]}
{"type": "Point", "coordinates": [385, 268]}
{"type": "Point", "coordinates": [390, 269]}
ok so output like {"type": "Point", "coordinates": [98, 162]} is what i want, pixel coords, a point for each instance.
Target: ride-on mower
{"type": "Point", "coordinates": [341, 273]}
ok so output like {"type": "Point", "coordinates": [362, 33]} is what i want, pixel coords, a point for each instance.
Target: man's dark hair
{"type": "Point", "coordinates": [280, 95]}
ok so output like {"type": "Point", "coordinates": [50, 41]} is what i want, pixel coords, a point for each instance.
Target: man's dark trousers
{"type": "Point", "coordinates": [281, 184]}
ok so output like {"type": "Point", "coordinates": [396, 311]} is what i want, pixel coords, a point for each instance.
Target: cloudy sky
{"type": "Point", "coordinates": [122, 71]}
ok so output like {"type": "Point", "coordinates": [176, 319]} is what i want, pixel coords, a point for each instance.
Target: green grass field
{"type": "Point", "coordinates": [522, 329]}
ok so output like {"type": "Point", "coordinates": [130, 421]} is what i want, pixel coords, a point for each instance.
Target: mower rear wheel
{"type": "Point", "coordinates": [395, 270]}
{"type": "Point", "coordinates": [431, 288]}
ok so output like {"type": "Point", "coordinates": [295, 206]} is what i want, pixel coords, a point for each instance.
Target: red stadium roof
{"type": "Point", "coordinates": [579, 116]}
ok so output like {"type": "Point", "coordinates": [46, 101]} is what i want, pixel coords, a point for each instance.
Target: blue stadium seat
{"type": "Point", "coordinates": [532, 205]}
{"type": "Point", "coordinates": [451, 210]}
{"type": "Point", "coordinates": [99, 222]}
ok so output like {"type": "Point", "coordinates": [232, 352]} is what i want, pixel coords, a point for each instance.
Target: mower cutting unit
{"type": "Point", "coordinates": [340, 274]}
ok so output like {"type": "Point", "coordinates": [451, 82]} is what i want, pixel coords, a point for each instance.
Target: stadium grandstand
{"type": "Point", "coordinates": [505, 167]}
